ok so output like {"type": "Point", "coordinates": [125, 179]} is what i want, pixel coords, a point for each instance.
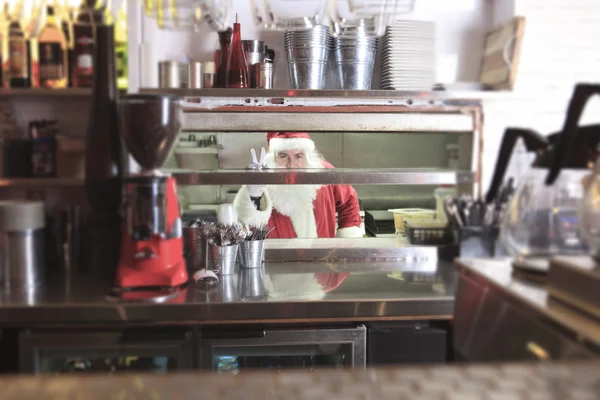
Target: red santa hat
{"type": "Point", "coordinates": [279, 141]}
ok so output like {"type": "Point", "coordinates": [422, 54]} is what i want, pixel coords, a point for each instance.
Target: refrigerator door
{"type": "Point", "coordinates": [279, 350]}
{"type": "Point", "coordinates": [123, 351]}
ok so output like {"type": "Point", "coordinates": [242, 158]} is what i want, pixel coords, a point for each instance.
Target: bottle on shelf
{"type": "Point", "coordinates": [84, 33]}
{"type": "Point", "coordinates": [52, 50]}
{"type": "Point", "coordinates": [67, 28]}
{"type": "Point", "coordinates": [19, 53]}
{"type": "Point", "coordinates": [237, 69]}
{"type": "Point", "coordinates": [4, 21]}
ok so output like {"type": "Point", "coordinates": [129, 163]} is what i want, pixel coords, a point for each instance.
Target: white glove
{"type": "Point", "coordinates": [257, 165]}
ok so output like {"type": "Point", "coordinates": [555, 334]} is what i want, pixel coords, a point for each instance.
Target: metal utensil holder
{"type": "Point", "coordinates": [222, 258]}
{"type": "Point", "coordinates": [480, 241]}
{"type": "Point", "coordinates": [194, 245]}
{"type": "Point", "coordinates": [251, 254]}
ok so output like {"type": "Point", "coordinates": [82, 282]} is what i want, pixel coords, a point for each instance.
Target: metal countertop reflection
{"type": "Point", "coordinates": [278, 292]}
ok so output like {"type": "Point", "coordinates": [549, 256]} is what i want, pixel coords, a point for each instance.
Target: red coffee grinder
{"type": "Point", "coordinates": [152, 246]}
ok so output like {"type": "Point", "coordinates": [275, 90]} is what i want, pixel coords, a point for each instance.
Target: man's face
{"type": "Point", "coordinates": [291, 159]}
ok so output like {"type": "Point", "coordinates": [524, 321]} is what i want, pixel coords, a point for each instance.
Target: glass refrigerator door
{"type": "Point", "coordinates": [104, 352]}
{"type": "Point", "coordinates": [280, 350]}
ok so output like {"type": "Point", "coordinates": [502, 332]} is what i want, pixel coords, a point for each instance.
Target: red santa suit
{"type": "Point", "coordinates": [301, 211]}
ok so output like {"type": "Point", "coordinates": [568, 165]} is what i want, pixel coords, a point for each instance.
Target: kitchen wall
{"type": "Point", "coordinates": [560, 49]}
{"type": "Point", "coordinates": [461, 25]}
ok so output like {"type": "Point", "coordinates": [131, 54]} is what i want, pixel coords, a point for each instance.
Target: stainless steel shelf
{"type": "Point", "coordinates": [327, 120]}
{"type": "Point", "coordinates": [338, 176]}
{"type": "Point", "coordinates": [41, 183]}
{"type": "Point", "coordinates": [332, 94]}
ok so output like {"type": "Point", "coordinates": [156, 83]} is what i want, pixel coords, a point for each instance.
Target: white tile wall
{"type": "Point", "coordinates": [560, 48]}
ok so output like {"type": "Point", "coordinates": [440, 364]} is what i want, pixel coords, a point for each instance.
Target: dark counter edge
{"type": "Point", "coordinates": [229, 313]}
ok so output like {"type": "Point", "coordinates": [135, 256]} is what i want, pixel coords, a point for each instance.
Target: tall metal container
{"type": "Point", "coordinates": [22, 244]}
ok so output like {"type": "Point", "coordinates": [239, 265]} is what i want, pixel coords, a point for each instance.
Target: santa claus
{"type": "Point", "coordinates": [298, 211]}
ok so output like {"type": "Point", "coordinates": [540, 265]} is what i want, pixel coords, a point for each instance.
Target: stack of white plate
{"type": "Point", "coordinates": [408, 61]}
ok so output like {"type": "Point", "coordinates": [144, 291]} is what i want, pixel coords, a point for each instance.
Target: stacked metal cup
{"type": "Point", "coordinates": [354, 60]}
{"type": "Point", "coordinates": [223, 258]}
{"type": "Point", "coordinates": [308, 57]}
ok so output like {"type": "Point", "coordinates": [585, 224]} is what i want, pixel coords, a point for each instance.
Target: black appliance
{"type": "Point", "coordinates": [406, 343]}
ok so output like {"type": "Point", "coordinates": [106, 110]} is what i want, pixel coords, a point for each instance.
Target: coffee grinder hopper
{"type": "Point", "coordinates": [150, 125]}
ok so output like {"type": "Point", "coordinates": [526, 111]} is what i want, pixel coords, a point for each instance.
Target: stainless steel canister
{"type": "Point", "coordinates": [255, 53]}
{"type": "Point", "coordinates": [170, 75]}
{"type": "Point", "coordinates": [22, 243]}
{"type": "Point", "coordinates": [263, 75]}
{"type": "Point", "coordinates": [194, 71]}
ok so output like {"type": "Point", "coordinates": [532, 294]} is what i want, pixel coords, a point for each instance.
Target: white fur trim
{"type": "Point", "coordinates": [280, 144]}
{"type": "Point", "coordinates": [246, 209]}
{"type": "Point", "coordinates": [349, 232]}
{"type": "Point", "coordinates": [305, 224]}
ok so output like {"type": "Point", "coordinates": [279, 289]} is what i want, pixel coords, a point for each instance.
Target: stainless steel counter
{"type": "Point", "coordinates": [533, 381]}
{"type": "Point", "coordinates": [284, 292]}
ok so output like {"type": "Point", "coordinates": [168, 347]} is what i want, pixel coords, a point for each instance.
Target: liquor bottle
{"type": "Point", "coordinates": [19, 54]}
{"type": "Point", "coordinates": [237, 69]}
{"type": "Point", "coordinates": [84, 36]}
{"type": "Point", "coordinates": [67, 28]}
{"type": "Point", "coordinates": [104, 152]}
{"type": "Point", "coordinates": [52, 50]}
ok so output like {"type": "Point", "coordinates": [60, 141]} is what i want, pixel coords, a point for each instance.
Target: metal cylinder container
{"type": "Point", "coordinates": [263, 75]}
{"type": "Point", "coordinates": [169, 74]}
{"type": "Point", "coordinates": [194, 75]}
{"type": "Point", "coordinates": [22, 226]}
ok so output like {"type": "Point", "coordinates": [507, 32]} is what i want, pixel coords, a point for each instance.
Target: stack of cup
{"type": "Point", "coordinates": [354, 61]}
{"type": "Point", "coordinates": [308, 57]}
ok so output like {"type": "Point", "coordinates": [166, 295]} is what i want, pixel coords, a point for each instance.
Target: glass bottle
{"type": "Point", "coordinates": [19, 54]}
{"type": "Point", "coordinates": [84, 36]}
{"type": "Point", "coordinates": [104, 152]}
{"type": "Point", "coordinates": [237, 69]}
{"type": "Point", "coordinates": [67, 28]}
{"type": "Point", "coordinates": [3, 34]}
{"type": "Point", "coordinates": [52, 49]}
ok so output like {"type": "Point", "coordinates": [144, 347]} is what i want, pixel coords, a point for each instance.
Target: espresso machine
{"type": "Point", "coordinates": [151, 256]}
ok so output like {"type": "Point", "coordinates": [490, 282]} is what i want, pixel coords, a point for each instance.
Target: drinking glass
{"type": "Point", "coordinates": [216, 13]}
{"type": "Point", "coordinates": [282, 15]}
{"type": "Point", "coordinates": [364, 18]}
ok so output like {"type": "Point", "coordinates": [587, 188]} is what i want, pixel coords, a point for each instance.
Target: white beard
{"type": "Point", "coordinates": [290, 200]}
